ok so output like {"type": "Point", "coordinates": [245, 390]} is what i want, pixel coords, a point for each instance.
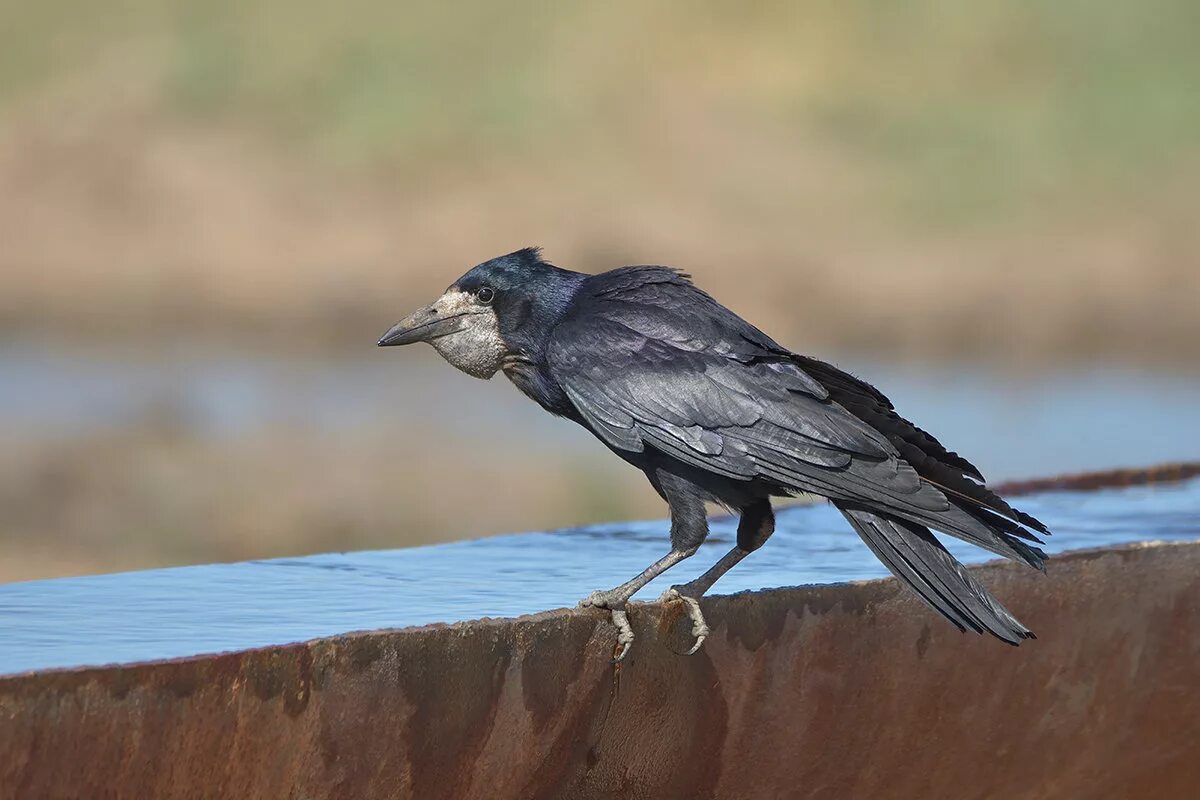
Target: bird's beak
{"type": "Point", "coordinates": [424, 325]}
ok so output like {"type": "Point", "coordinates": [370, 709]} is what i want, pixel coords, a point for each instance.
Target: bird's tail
{"type": "Point", "coordinates": [916, 557]}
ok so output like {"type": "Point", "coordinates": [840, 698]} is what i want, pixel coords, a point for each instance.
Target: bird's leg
{"type": "Point", "coordinates": [754, 528]}
{"type": "Point", "coordinates": [617, 596]}
{"type": "Point", "coordinates": [689, 527]}
{"type": "Point", "coordinates": [615, 599]}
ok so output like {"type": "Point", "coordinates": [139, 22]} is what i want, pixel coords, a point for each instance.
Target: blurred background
{"type": "Point", "coordinates": [210, 210]}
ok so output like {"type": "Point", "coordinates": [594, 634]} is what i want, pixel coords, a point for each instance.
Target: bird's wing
{"type": "Point", "coordinates": [661, 365]}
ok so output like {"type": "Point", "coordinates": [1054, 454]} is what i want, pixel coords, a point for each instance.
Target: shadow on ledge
{"type": "Point", "coordinates": [842, 691]}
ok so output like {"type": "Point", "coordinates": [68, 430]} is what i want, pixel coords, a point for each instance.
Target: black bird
{"type": "Point", "coordinates": [714, 410]}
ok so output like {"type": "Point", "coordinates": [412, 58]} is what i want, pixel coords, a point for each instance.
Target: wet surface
{"type": "Point", "coordinates": [190, 610]}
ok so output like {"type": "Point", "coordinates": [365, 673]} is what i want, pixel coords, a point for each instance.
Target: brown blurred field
{"type": "Point", "coordinates": [988, 183]}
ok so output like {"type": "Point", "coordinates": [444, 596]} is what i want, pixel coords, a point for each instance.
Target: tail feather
{"type": "Point", "coordinates": [1009, 531]}
{"type": "Point", "coordinates": [917, 558]}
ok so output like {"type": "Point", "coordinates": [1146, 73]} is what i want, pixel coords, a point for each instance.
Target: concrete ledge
{"type": "Point", "coordinates": [831, 691]}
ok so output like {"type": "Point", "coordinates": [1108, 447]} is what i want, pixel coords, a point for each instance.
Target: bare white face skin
{"type": "Point", "coordinates": [476, 347]}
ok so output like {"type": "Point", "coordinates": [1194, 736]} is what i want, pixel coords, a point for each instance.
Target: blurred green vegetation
{"type": "Point", "coordinates": [976, 106]}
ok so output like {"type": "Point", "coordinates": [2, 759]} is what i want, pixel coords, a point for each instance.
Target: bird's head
{"type": "Point", "coordinates": [485, 315]}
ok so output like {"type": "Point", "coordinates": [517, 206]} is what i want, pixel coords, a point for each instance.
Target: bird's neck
{"type": "Point", "coordinates": [527, 329]}
{"type": "Point", "coordinates": [528, 322]}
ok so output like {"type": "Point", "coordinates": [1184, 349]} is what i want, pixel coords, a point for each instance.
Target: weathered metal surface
{"type": "Point", "coordinates": [823, 692]}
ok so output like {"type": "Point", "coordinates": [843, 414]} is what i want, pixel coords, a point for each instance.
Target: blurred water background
{"type": "Point", "coordinates": [209, 211]}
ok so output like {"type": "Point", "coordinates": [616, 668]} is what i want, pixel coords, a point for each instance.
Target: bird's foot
{"type": "Point", "coordinates": [700, 628]}
{"type": "Point", "coordinates": [615, 604]}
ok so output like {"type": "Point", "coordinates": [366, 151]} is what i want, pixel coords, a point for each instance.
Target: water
{"type": "Point", "coordinates": [192, 610]}
{"type": "Point", "coordinates": [1080, 420]}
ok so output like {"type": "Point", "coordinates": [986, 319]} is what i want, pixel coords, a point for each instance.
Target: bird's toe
{"type": "Point", "coordinates": [700, 629]}
{"type": "Point", "coordinates": [613, 602]}
{"type": "Point", "coordinates": [624, 634]}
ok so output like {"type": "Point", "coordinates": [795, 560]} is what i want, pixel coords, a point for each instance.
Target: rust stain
{"type": "Point", "coordinates": [553, 660]}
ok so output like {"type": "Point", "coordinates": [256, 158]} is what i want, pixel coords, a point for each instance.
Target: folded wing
{"type": "Point", "coordinates": [655, 363]}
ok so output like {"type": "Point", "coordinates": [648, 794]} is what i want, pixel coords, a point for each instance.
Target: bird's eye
{"type": "Point", "coordinates": [485, 294]}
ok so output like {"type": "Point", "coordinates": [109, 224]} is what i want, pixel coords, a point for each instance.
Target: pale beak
{"type": "Point", "coordinates": [423, 325]}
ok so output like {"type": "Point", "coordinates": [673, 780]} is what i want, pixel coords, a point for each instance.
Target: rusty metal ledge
{"type": "Point", "coordinates": [841, 691]}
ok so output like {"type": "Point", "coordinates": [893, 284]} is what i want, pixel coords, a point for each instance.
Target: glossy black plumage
{"type": "Point", "coordinates": [680, 386]}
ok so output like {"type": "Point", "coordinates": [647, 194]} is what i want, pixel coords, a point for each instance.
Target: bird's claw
{"type": "Point", "coordinates": [624, 633]}
{"type": "Point", "coordinates": [700, 628]}
{"type": "Point", "coordinates": [616, 606]}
